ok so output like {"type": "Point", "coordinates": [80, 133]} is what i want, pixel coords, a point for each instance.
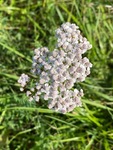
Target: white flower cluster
{"type": "Point", "coordinates": [23, 81]}
{"type": "Point", "coordinates": [59, 70]}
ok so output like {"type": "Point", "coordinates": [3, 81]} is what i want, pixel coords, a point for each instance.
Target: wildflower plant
{"type": "Point", "coordinates": [57, 71]}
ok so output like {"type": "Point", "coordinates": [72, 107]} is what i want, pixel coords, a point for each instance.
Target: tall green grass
{"type": "Point", "coordinates": [27, 24]}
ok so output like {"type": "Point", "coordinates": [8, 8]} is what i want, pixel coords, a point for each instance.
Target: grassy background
{"type": "Point", "coordinates": [28, 24]}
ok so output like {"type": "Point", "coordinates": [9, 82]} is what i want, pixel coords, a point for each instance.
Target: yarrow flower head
{"type": "Point", "coordinates": [59, 70]}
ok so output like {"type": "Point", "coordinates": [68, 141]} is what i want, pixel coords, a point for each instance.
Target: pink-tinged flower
{"type": "Point", "coordinates": [58, 71]}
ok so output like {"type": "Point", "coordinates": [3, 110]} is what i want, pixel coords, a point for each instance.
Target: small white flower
{"type": "Point", "coordinates": [23, 79]}
{"type": "Point", "coordinates": [42, 81]}
{"type": "Point", "coordinates": [46, 97]}
{"type": "Point", "coordinates": [36, 98]}
{"type": "Point", "coordinates": [28, 93]}
{"type": "Point", "coordinates": [21, 89]}
{"type": "Point", "coordinates": [30, 99]}
{"type": "Point", "coordinates": [38, 87]}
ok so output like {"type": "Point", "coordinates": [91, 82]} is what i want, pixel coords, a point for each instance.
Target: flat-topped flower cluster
{"type": "Point", "coordinates": [59, 70]}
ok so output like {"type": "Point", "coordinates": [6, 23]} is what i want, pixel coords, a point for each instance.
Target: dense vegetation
{"type": "Point", "coordinates": [28, 24]}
